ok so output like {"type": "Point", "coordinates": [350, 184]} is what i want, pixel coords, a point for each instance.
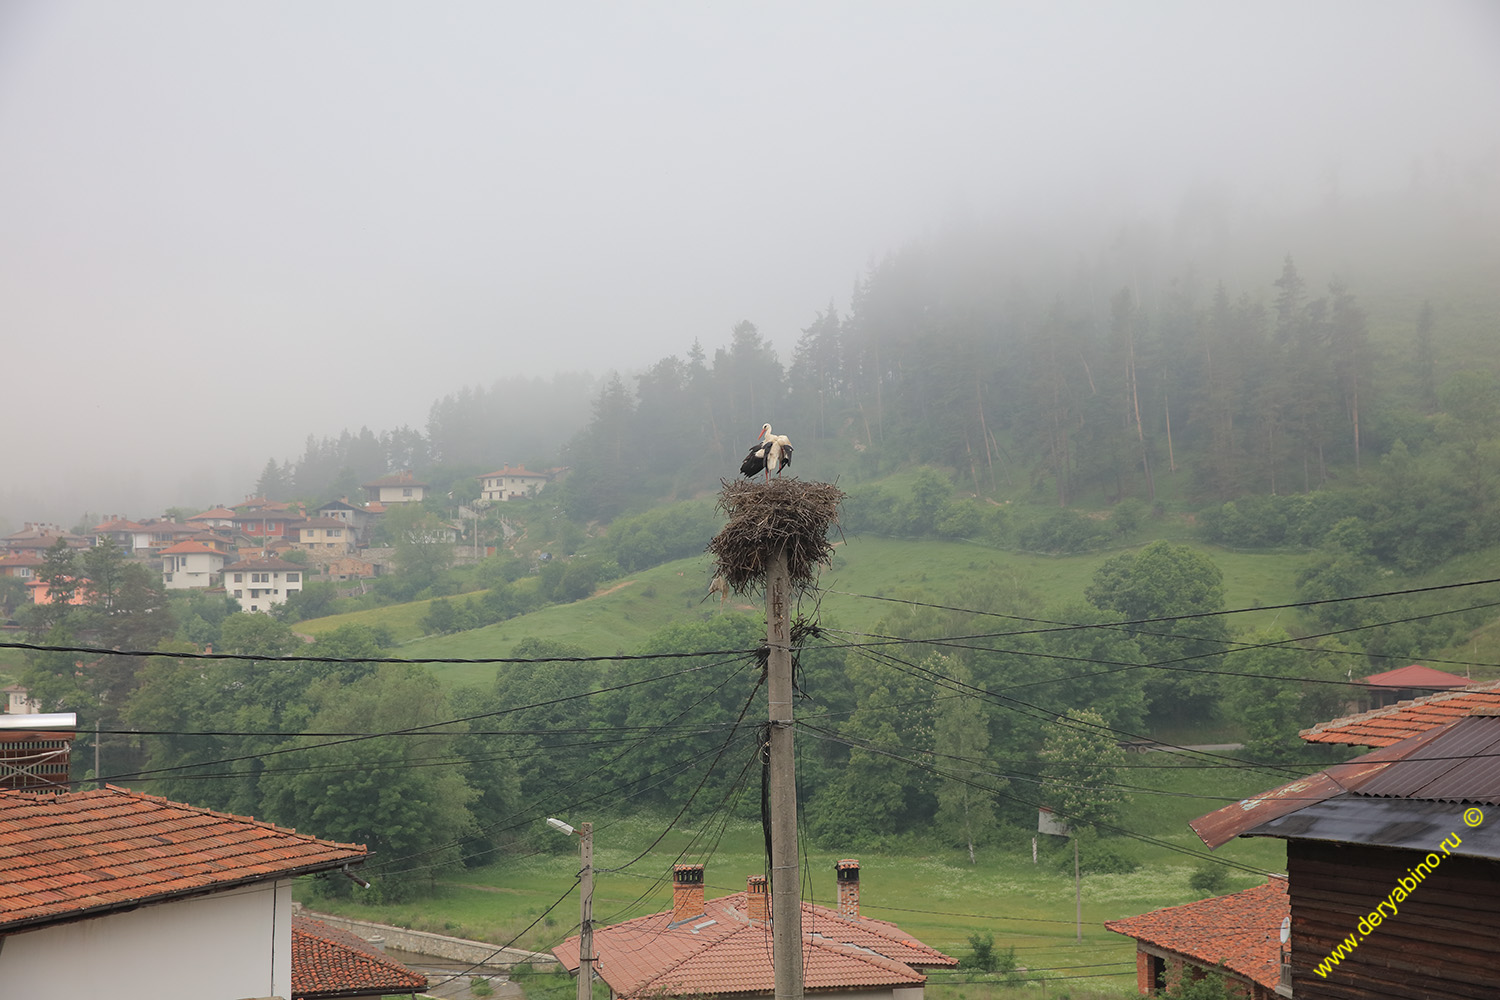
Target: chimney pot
{"type": "Point", "coordinates": [687, 893]}
{"type": "Point", "coordinates": [757, 900]}
{"type": "Point", "coordinates": [847, 872]}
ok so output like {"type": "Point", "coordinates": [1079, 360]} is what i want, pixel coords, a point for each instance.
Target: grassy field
{"type": "Point", "coordinates": [932, 893]}
{"type": "Point", "coordinates": [624, 612]}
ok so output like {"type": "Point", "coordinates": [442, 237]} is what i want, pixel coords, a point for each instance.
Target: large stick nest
{"type": "Point", "coordinates": [785, 514]}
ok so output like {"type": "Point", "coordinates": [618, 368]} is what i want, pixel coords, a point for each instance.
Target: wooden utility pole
{"type": "Point", "coordinates": [786, 902]}
{"type": "Point", "coordinates": [1077, 892]}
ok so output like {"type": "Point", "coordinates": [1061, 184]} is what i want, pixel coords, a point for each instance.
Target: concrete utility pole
{"type": "Point", "coordinates": [585, 833]}
{"type": "Point", "coordinates": [586, 913]}
{"type": "Point", "coordinates": [786, 902]}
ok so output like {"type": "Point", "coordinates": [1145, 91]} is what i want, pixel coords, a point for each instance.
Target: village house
{"type": "Point", "coordinates": [400, 487]}
{"type": "Point", "coordinates": [509, 483]}
{"type": "Point", "coordinates": [1393, 867]}
{"type": "Point", "coordinates": [21, 565]}
{"type": "Point", "coordinates": [111, 893]}
{"type": "Point", "coordinates": [324, 537]}
{"type": "Point", "coordinates": [214, 517]}
{"type": "Point", "coordinates": [37, 537]}
{"type": "Point", "coordinates": [261, 584]}
{"type": "Point", "coordinates": [722, 947]}
{"type": "Point", "coordinates": [1238, 935]}
{"type": "Point", "coordinates": [263, 525]}
{"type": "Point", "coordinates": [191, 565]}
{"type": "Point", "coordinates": [1406, 683]}
{"type": "Point", "coordinates": [359, 519]}
{"type": "Point", "coordinates": [41, 591]}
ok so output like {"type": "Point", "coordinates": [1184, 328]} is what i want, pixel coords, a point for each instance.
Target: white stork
{"type": "Point", "coordinates": [771, 453]}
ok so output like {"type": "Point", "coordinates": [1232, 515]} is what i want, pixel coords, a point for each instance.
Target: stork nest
{"type": "Point", "coordinates": [785, 515]}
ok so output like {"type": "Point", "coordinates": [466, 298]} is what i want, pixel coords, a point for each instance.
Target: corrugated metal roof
{"type": "Point", "coordinates": [1451, 764]}
{"type": "Point", "coordinates": [1462, 764]}
{"type": "Point", "coordinates": [1410, 823]}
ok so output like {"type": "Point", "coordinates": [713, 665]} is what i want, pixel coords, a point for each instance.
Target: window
{"type": "Point", "coordinates": [335, 532]}
{"type": "Point", "coordinates": [406, 491]}
{"type": "Point", "coordinates": [293, 577]}
{"type": "Point", "coordinates": [239, 593]}
{"type": "Point", "coordinates": [167, 577]}
{"type": "Point", "coordinates": [260, 577]}
{"type": "Point", "coordinates": [239, 578]}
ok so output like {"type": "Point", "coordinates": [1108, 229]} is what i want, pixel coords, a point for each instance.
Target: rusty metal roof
{"type": "Point", "coordinates": [1456, 763]}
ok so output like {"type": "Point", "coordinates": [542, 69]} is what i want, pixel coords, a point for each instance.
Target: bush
{"type": "Point", "coordinates": [1209, 878]}
{"type": "Point", "coordinates": [1096, 856]}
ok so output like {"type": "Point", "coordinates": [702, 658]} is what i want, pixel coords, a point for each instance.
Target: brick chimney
{"type": "Point", "coordinates": [687, 893]}
{"type": "Point", "coordinates": [757, 902]}
{"type": "Point", "coordinates": [848, 879]}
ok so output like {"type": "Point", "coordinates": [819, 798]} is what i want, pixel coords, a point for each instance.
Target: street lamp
{"type": "Point", "coordinates": [586, 958]}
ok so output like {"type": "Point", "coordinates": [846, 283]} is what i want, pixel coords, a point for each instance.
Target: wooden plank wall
{"type": "Point", "coordinates": [1443, 945]}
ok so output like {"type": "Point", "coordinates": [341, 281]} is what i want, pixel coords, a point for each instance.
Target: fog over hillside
{"type": "Point", "coordinates": [227, 227]}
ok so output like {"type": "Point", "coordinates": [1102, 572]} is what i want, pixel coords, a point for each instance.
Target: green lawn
{"type": "Point", "coordinates": [933, 893]}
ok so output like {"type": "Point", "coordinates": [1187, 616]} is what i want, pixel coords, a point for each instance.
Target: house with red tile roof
{"type": "Point", "coordinates": [722, 947]}
{"type": "Point", "coordinates": [111, 893]}
{"type": "Point", "coordinates": [1238, 935]}
{"type": "Point", "coordinates": [511, 484]}
{"type": "Point", "coordinates": [191, 565]}
{"type": "Point", "coordinates": [324, 537]}
{"type": "Point", "coordinates": [38, 537]}
{"type": "Point", "coordinates": [261, 584]}
{"type": "Point", "coordinates": [1405, 683]}
{"type": "Point", "coordinates": [399, 487]}
{"type": "Point", "coordinates": [214, 517]}
{"type": "Point", "coordinates": [21, 565]}
{"type": "Point", "coordinates": [328, 963]}
{"type": "Point", "coordinates": [41, 591]}
{"type": "Point", "coordinates": [1383, 726]}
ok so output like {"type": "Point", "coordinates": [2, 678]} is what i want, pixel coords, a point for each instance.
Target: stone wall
{"type": "Point", "coordinates": [437, 945]}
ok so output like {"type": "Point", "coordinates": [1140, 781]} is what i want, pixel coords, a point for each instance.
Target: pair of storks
{"type": "Point", "coordinates": [770, 453]}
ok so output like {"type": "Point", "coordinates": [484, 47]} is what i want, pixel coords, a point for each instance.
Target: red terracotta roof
{"type": "Point", "coordinates": [327, 962]}
{"type": "Point", "coordinates": [725, 952]}
{"type": "Point", "coordinates": [217, 513]}
{"type": "Point", "coordinates": [66, 857]}
{"type": "Point", "coordinates": [1241, 931]}
{"type": "Point", "coordinates": [1384, 726]}
{"type": "Point", "coordinates": [517, 471]}
{"type": "Point", "coordinates": [188, 548]}
{"type": "Point", "coordinates": [322, 522]}
{"type": "Point", "coordinates": [21, 559]}
{"type": "Point", "coordinates": [1417, 676]}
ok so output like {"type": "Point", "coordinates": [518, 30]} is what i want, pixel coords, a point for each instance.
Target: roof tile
{"type": "Point", "coordinates": [63, 856]}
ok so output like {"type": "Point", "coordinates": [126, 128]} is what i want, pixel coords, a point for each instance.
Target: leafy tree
{"type": "Point", "coordinates": [1080, 770]}
{"type": "Point", "coordinates": [966, 792]}
{"type": "Point", "coordinates": [420, 540]}
{"type": "Point", "coordinates": [1163, 581]}
{"type": "Point", "coordinates": [371, 791]}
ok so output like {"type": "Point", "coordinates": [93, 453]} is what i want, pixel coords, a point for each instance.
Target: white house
{"type": "Point", "coordinates": [400, 487]}
{"type": "Point", "coordinates": [261, 584]}
{"type": "Point", "coordinates": [113, 893]}
{"type": "Point", "coordinates": [511, 484]}
{"type": "Point", "coordinates": [190, 565]}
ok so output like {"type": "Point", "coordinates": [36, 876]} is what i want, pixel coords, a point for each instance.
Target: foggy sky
{"type": "Point", "coordinates": [224, 226]}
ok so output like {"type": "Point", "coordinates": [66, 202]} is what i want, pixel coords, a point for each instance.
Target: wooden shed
{"type": "Point", "coordinates": [1393, 865]}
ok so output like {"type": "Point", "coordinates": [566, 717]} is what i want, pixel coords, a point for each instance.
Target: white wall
{"type": "Point", "coordinates": [226, 946]}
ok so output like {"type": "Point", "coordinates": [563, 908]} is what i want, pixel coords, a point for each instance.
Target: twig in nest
{"type": "Point", "coordinates": [786, 515]}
